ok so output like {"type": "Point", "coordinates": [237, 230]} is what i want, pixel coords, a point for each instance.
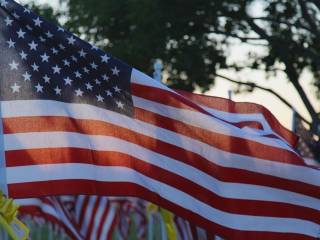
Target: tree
{"type": "Point", "coordinates": [192, 37]}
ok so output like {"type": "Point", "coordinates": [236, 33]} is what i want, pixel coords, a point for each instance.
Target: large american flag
{"type": "Point", "coordinates": [71, 125]}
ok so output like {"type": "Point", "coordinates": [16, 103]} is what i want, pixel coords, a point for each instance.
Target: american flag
{"type": "Point", "coordinates": [71, 125]}
{"type": "Point", "coordinates": [307, 145]}
{"type": "Point", "coordinates": [89, 218]}
{"type": "Point", "coordinates": [53, 211]}
{"type": "Point", "coordinates": [96, 216]}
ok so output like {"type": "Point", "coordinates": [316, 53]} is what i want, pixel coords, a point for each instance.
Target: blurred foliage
{"type": "Point", "coordinates": [193, 38]}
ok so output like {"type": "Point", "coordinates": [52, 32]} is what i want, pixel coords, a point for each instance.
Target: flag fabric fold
{"type": "Point", "coordinates": [78, 121]}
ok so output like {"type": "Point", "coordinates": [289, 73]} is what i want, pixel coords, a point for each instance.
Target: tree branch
{"type": "Point", "coordinates": [282, 22]}
{"type": "Point", "coordinates": [269, 90]}
{"type": "Point", "coordinates": [306, 15]}
{"type": "Point", "coordinates": [244, 39]}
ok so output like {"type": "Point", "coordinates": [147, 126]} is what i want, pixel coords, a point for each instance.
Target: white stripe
{"type": "Point", "coordinates": [122, 174]}
{"type": "Point", "coordinates": [105, 143]}
{"type": "Point", "coordinates": [3, 172]}
{"type": "Point", "coordinates": [217, 156]}
{"type": "Point", "coordinates": [200, 120]}
{"type": "Point", "coordinates": [78, 207]}
{"type": "Point", "coordinates": [108, 223]}
{"type": "Point", "coordinates": [83, 111]}
{"type": "Point", "coordinates": [53, 209]}
{"type": "Point", "coordinates": [143, 79]}
{"type": "Point", "coordinates": [98, 217]}
{"type": "Point", "coordinates": [88, 215]}
{"type": "Point", "coordinates": [63, 218]}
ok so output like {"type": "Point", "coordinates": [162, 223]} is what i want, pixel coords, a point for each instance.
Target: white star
{"type": "Point", "coordinates": [37, 22]}
{"type": "Point", "coordinates": [3, 3]}
{"type": "Point", "coordinates": [56, 69]}
{"type": "Point", "coordinates": [8, 21]}
{"type": "Point", "coordinates": [79, 93]}
{"type": "Point", "coordinates": [16, 15]}
{"type": "Point", "coordinates": [116, 89]}
{"type": "Point", "coordinates": [67, 81]}
{"type": "Point", "coordinates": [49, 34]}
{"type": "Point", "coordinates": [26, 10]}
{"type": "Point", "coordinates": [82, 53]}
{"type": "Point", "coordinates": [57, 90]}
{"type": "Point", "coordinates": [99, 98]}
{"type": "Point", "coordinates": [42, 39]}
{"type": "Point", "coordinates": [105, 58]}
{"type": "Point", "coordinates": [93, 47]}
{"type": "Point", "coordinates": [60, 29]}
{"type": "Point", "coordinates": [109, 93]}
{"type": "Point", "coordinates": [11, 43]}
{"type": "Point", "coordinates": [86, 70]}
{"type": "Point", "coordinates": [94, 65]}
{"type": "Point", "coordinates": [46, 79]}
{"type": "Point", "coordinates": [97, 82]}
{"type": "Point", "coordinates": [66, 62]}
{"type": "Point", "coordinates": [27, 76]}
{"type": "Point", "coordinates": [74, 59]}
{"type": "Point", "coordinates": [115, 71]}
{"type": "Point", "coordinates": [44, 57]}
{"type": "Point", "coordinates": [71, 40]}
{"type": "Point", "coordinates": [35, 67]}
{"type": "Point", "coordinates": [21, 33]}
{"type": "Point", "coordinates": [54, 51]}
{"type": "Point", "coordinates": [105, 77]}
{"type": "Point", "coordinates": [13, 65]}
{"type": "Point", "coordinates": [33, 45]}
{"type": "Point", "coordinates": [62, 47]}
{"type": "Point", "coordinates": [15, 88]}
{"type": "Point", "coordinates": [89, 86]}
{"type": "Point", "coordinates": [39, 88]}
{"type": "Point", "coordinates": [29, 27]}
{"type": "Point", "coordinates": [23, 55]}
{"type": "Point", "coordinates": [78, 74]}
{"type": "Point", "coordinates": [120, 104]}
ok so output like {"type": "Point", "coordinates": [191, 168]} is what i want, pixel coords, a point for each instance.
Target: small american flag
{"type": "Point", "coordinates": [307, 145]}
{"type": "Point", "coordinates": [77, 121]}
{"type": "Point", "coordinates": [96, 216]}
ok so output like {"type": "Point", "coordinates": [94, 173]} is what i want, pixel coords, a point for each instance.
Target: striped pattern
{"type": "Point", "coordinates": [241, 182]}
{"type": "Point", "coordinates": [96, 217]}
{"type": "Point", "coordinates": [52, 210]}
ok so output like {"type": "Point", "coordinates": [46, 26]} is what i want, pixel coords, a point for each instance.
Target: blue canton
{"type": "Point", "coordinates": [41, 61]}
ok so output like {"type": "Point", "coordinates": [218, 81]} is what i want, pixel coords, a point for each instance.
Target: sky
{"type": "Point", "coordinates": [280, 84]}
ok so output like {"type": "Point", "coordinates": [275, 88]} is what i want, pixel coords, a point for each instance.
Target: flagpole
{"type": "Point", "coordinates": [230, 94]}
{"type": "Point", "coordinates": [3, 172]}
{"type": "Point", "coordinates": [294, 122]}
{"type": "Point", "coordinates": [157, 74]}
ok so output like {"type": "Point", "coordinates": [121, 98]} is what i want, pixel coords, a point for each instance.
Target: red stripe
{"type": "Point", "coordinates": [227, 105]}
{"type": "Point", "coordinates": [83, 211]}
{"type": "Point", "coordinates": [165, 97]}
{"type": "Point", "coordinates": [93, 127]}
{"type": "Point", "coordinates": [251, 207]}
{"type": "Point", "coordinates": [220, 141]}
{"type": "Point", "coordinates": [112, 227]}
{"type": "Point", "coordinates": [175, 100]}
{"type": "Point", "coordinates": [36, 211]}
{"type": "Point", "coordinates": [99, 128]}
{"type": "Point", "coordinates": [194, 232]}
{"type": "Point", "coordinates": [103, 219]}
{"type": "Point", "coordinates": [63, 187]}
{"type": "Point", "coordinates": [92, 217]}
